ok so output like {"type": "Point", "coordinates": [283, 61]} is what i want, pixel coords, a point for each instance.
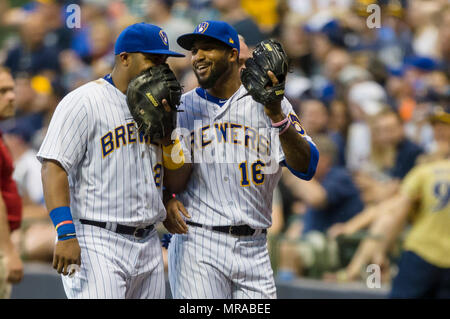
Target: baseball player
{"type": "Point", "coordinates": [235, 147]}
{"type": "Point", "coordinates": [102, 181]}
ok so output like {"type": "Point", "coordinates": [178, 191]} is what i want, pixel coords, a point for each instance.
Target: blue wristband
{"type": "Point", "coordinates": [63, 222]}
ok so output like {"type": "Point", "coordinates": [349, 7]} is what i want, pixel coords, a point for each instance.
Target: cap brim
{"type": "Point", "coordinates": [166, 52]}
{"type": "Point", "coordinates": [187, 40]}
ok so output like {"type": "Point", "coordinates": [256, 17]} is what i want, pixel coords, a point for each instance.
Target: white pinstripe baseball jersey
{"type": "Point", "coordinates": [115, 174]}
{"type": "Point", "coordinates": [231, 146]}
{"type": "Point", "coordinates": [228, 185]}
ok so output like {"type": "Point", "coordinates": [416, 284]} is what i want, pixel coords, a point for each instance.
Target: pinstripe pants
{"type": "Point", "coordinates": [208, 264]}
{"type": "Point", "coordinates": [116, 266]}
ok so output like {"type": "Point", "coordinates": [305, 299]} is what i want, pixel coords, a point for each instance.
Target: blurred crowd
{"type": "Point", "coordinates": [369, 95]}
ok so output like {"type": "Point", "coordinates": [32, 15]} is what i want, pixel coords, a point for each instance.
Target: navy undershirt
{"type": "Point", "coordinates": [108, 78]}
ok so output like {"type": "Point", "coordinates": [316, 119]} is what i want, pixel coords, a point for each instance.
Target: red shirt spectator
{"type": "Point", "coordinates": [8, 187]}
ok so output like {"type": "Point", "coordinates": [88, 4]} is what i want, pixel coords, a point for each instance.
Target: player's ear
{"type": "Point", "coordinates": [124, 59]}
{"type": "Point", "coordinates": [234, 55]}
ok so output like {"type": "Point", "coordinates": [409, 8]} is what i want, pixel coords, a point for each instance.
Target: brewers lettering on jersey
{"type": "Point", "coordinates": [103, 181]}
{"type": "Point", "coordinates": [235, 145]}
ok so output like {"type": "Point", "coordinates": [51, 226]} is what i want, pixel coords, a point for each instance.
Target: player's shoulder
{"type": "Point", "coordinates": [99, 86]}
{"type": "Point", "coordinates": [81, 95]}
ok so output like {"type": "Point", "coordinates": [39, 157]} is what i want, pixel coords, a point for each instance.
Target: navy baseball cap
{"type": "Point", "coordinates": [145, 38]}
{"type": "Point", "coordinates": [218, 30]}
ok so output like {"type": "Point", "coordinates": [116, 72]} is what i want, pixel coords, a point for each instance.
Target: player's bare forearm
{"type": "Point", "coordinates": [176, 180]}
{"type": "Point", "coordinates": [55, 185]}
{"type": "Point", "coordinates": [295, 147]}
{"type": "Point", "coordinates": [56, 194]}
{"type": "Point", "coordinates": [296, 150]}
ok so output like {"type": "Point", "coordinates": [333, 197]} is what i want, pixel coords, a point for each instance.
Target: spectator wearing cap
{"type": "Point", "coordinates": [439, 119]}
{"type": "Point", "coordinates": [425, 85]}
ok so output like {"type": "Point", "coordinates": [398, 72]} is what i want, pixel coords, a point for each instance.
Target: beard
{"type": "Point", "coordinates": [217, 70]}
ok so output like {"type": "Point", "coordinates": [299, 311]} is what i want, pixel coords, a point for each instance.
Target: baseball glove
{"type": "Point", "coordinates": [267, 56]}
{"type": "Point", "coordinates": [144, 98]}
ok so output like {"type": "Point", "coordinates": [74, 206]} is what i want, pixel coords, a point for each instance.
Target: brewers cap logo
{"type": "Point", "coordinates": [163, 36]}
{"type": "Point", "coordinates": [202, 27]}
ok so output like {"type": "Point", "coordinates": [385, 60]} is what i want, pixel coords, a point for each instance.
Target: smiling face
{"type": "Point", "coordinates": [211, 60]}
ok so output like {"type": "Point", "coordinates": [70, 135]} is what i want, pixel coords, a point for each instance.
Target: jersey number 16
{"type": "Point", "coordinates": [256, 173]}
